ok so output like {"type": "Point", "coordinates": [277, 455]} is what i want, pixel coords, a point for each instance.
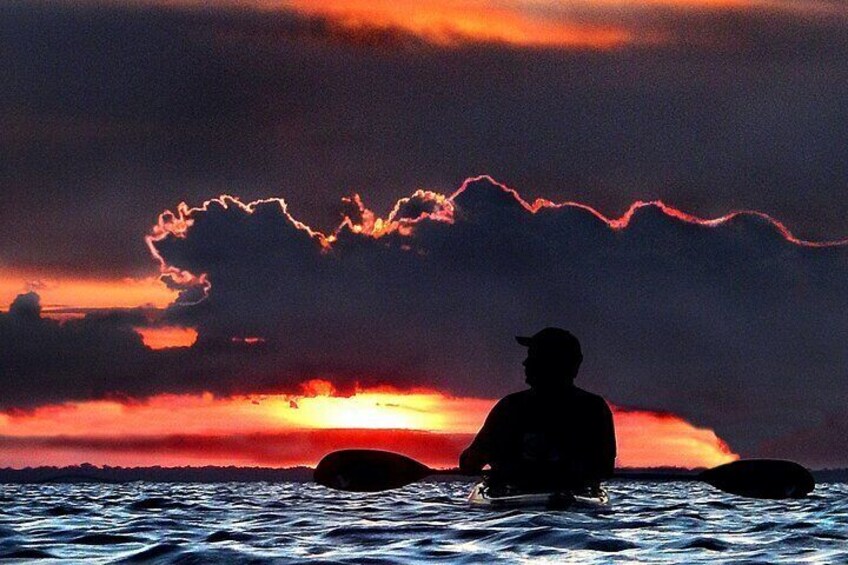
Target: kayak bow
{"type": "Point", "coordinates": [481, 495]}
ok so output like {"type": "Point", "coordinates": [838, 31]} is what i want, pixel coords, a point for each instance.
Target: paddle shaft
{"type": "Point", "coordinates": [451, 471]}
{"type": "Point", "coordinates": [654, 476]}
{"type": "Point", "coordinates": [690, 477]}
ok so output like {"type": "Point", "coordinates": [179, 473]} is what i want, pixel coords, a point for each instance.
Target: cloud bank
{"type": "Point", "coordinates": [732, 323]}
{"type": "Point", "coordinates": [735, 107]}
{"type": "Point", "coordinates": [302, 428]}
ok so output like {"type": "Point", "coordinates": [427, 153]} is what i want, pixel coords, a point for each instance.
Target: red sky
{"type": "Point", "coordinates": [709, 106]}
{"type": "Point", "coordinates": [287, 430]}
{"type": "Point", "coordinates": [580, 24]}
{"type": "Point", "coordinates": [276, 430]}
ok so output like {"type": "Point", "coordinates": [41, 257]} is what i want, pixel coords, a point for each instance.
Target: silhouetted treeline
{"type": "Point", "coordinates": [93, 474]}
{"type": "Point", "coordinates": [674, 473]}
{"type": "Point", "coordinates": [831, 475]}
{"type": "Point", "coordinates": [106, 474]}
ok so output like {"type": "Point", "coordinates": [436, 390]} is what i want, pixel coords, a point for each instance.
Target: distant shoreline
{"type": "Point", "coordinates": [92, 474]}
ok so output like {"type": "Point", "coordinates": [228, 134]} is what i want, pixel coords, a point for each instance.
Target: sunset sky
{"type": "Point", "coordinates": [250, 232]}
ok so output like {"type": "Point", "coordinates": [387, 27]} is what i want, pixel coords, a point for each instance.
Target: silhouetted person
{"type": "Point", "coordinates": [553, 435]}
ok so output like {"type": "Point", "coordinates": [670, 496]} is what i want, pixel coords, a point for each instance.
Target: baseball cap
{"type": "Point", "coordinates": [553, 339]}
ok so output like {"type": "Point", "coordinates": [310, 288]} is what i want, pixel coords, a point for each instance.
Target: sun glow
{"type": "Point", "coordinates": [294, 429]}
{"type": "Point", "coordinates": [370, 411]}
{"type": "Point", "coordinates": [322, 407]}
{"type": "Point", "coordinates": [646, 437]}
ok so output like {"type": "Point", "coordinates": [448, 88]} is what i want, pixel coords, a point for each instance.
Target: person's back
{"type": "Point", "coordinates": [553, 435]}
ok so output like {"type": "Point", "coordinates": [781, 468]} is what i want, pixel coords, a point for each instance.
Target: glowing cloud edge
{"type": "Point", "coordinates": [170, 224]}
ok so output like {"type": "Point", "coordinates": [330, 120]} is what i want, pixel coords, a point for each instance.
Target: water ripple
{"type": "Point", "coordinates": [304, 523]}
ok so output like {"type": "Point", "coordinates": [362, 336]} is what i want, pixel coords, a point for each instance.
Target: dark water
{"type": "Point", "coordinates": [257, 522]}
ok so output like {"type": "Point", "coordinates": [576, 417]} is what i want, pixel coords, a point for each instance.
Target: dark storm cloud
{"type": "Point", "coordinates": [731, 325]}
{"type": "Point", "coordinates": [822, 445]}
{"type": "Point", "coordinates": [110, 113]}
{"type": "Point", "coordinates": [42, 361]}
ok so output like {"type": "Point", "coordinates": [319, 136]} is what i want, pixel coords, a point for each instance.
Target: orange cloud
{"type": "Point", "coordinates": [578, 24]}
{"type": "Point", "coordinates": [581, 24]}
{"type": "Point", "coordinates": [285, 430]}
{"type": "Point", "coordinates": [60, 294]}
{"type": "Point", "coordinates": [163, 337]}
{"type": "Point", "coordinates": [451, 21]}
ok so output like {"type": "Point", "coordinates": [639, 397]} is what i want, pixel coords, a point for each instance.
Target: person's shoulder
{"type": "Point", "coordinates": [590, 397]}
{"type": "Point", "coordinates": [506, 409]}
{"type": "Point", "coordinates": [515, 399]}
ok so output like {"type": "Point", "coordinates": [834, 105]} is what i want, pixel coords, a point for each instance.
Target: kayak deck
{"type": "Point", "coordinates": [597, 499]}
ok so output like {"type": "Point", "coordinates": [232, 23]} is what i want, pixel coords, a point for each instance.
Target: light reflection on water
{"type": "Point", "coordinates": [289, 522]}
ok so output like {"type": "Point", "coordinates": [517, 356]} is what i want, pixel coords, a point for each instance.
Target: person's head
{"type": "Point", "coordinates": [553, 357]}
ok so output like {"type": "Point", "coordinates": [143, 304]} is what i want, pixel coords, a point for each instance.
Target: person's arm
{"type": "Point", "coordinates": [604, 464]}
{"type": "Point", "coordinates": [480, 452]}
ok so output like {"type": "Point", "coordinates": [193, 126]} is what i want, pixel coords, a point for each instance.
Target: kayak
{"type": "Point", "coordinates": [594, 500]}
